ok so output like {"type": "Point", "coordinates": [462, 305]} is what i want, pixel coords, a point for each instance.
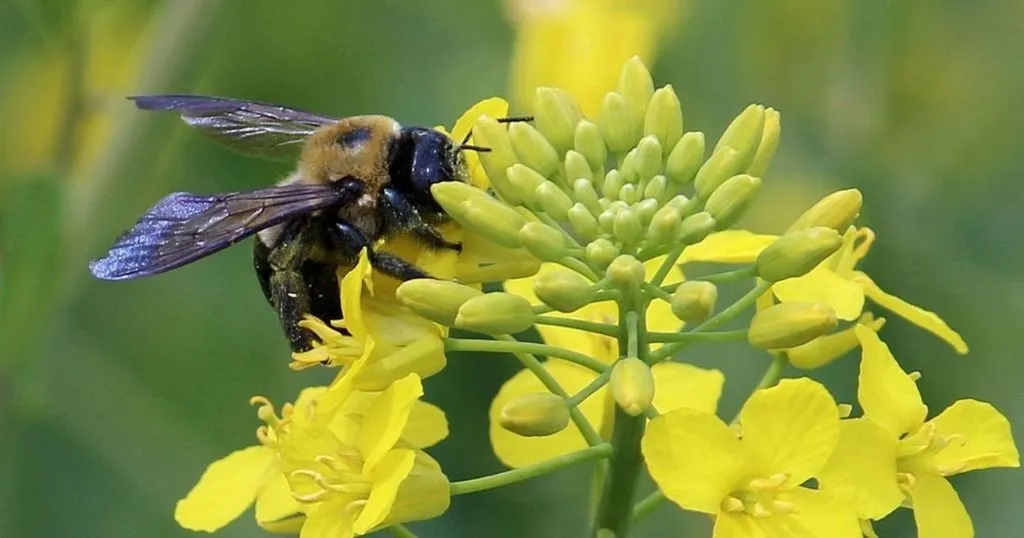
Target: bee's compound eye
{"type": "Point", "coordinates": [354, 138]}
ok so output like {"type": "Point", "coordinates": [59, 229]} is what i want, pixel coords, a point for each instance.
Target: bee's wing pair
{"type": "Point", "coordinates": [184, 227]}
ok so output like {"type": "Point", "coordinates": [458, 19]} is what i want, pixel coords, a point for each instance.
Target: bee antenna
{"type": "Point", "coordinates": [471, 147]}
{"type": "Point", "coordinates": [515, 119]}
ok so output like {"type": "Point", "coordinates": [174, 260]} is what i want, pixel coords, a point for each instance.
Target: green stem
{"type": "Point", "coordinates": [399, 531]}
{"type": "Point", "coordinates": [647, 505]}
{"type": "Point", "coordinates": [580, 267]}
{"type": "Point", "coordinates": [694, 337]}
{"type": "Point", "coordinates": [723, 277]}
{"type": "Point", "coordinates": [495, 346]}
{"type": "Point", "coordinates": [462, 487]}
{"type": "Point", "coordinates": [587, 391]}
{"type": "Point", "coordinates": [583, 325]}
{"type": "Point", "coordinates": [667, 264]}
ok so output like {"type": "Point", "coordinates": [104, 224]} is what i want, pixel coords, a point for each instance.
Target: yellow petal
{"type": "Point", "coordinates": [327, 520]}
{"type": "Point", "coordinates": [938, 511]}
{"type": "Point", "coordinates": [822, 515]}
{"type": "Point", "coordinates": [791, 428]}
{"type": "Point", "coordinates": [822, 285]}
{"type": "Point", "coordinates": [388, 475]}
{"type": "Point", "coordinates": [694, 458]}
{"type": "Point", "coordinates": [741, 525]}
{"type": "Point", "coordinates": [927, 320]}
{"type": "Point", "coordinates": [862, 470]}
{"type": "Point", "coordinates": [886, 393]}
{"type": "Point", "coordinates": [426, 427]}
{"type": "Point", "coordinates": [983, 438]}
{"type": "Point", "coordinates": [518, 451]}
{"type": "Point", "coordinates": [730, 246]}
{"type": "Point", "coordinates": [386, 419]}
{"type": "Point", "coordinates": [275, 503]}
{"type": "Point", "coordinates": [678, 384]}
{"type": "Point", "coordinates": [352, 296]}
{"type": "Point", "coordinates": [225, 490]}
{"type": "Point", "coordinates": [494, 107]}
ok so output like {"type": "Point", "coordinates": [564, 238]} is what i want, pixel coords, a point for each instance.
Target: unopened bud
{"type": "Point", "coordinates": [685, 158]}
{"type": "Point", "coordinates": [543, 241]}
{"type": "Point", "coordinates": [637, 88]}
{"type": "Point", "coordinates": [489, 133]}
{"type": "Point", "coordinates": [796, 253]}
{"type": "Point", "coordinates": [664, 226]}
{"type": "Point", "coordinates": [632, 385]}
{"type": "Point", "coordinates": [576, 167]}
{"type": "Point", "coordinates": [655, 188]}
{"type": "Point", "coordinates": [616, 123]}
{"type": "Point", "coordinates": [731, 199]}
{"type": "Point", "coordinates": [606, 220]}
{"type": "Point", "coordinates": [825, 349]}
{"type": "Point", "coordinates": [696, 227]}
{"type": "Point", "coordinates": [722, 165]}
{"type": "Point", "coordinates": [535, 415]}
{"type": "Point", "coordinates": [769, 143]}
{"type": "Point", "coordinates": [495, 313]}
{"type": "Point", "coordinates": [837, 211]}
{"type": "Point", "coordinates": [787, 325]}
{"type": "Point", "coordinates": [590, 144]}
{"type": "Point", "coordinates": [436, 300]}
{"type": "Point", "coordinates": [525, 181]}
{"type": "Point", "coordinates": [744, 135]}
{"type": "Point", "coordinates": [533, 149]}
{"type": "Point", "coordinates": [648, 157]}
{"type": "Point", "coordinates": [584, 192]}
{"type": "Point", "coordinates": [555, 116]}
{"type": "Point", "coordinates": [600, 252]}
{"type": "Point", "coordinates": [645, 210]}
{"type": "Point", "coordinates": [664, 117]}
{"type": "Point", "coordinates": [625, 271]}
{"type": "Point", "coordinates": [628, 193]}
{"type": "Point", "coordinates": [451, 194]}
{"type": "Point", "coordinates": [583, 221]}
{"type": "Point", "coordinates": [563, 290]}
{"type": "Point", "coordinates": [613, 182]}
{"type": "Point", "coordinates": [552, 200]}
{"type": "Point", "coordinates": [694, 300]}
{"type": "Point", "coordinates": [493, 220]}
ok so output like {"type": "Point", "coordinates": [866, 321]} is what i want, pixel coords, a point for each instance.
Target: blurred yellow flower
{"type": "Point", "coordinates": [752, 483]}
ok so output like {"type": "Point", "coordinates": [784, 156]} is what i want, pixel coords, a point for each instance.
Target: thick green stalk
{"type": "Point", "coordinates": [580, 324]}
{"type": "Point", "coordinates": [498, 480]}
{"type": "Point", "coordinates": [503, 346]}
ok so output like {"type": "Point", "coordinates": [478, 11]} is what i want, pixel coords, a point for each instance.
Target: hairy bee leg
{"type": "Point", "coordinates": [279, 269]}
{"type": "Point", "coordinates": [291, 300]}
{"type": "Point", "coordinates": [403, 216]}
{"type": "Point", "coordinates": [350, 239]}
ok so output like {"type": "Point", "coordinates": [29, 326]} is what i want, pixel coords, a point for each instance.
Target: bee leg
{"type": "Point", "coordinates": [279, 269]}
{"type": "Point", "coordinates": [401, 215]}
{"type": "Point", "coordinates": [350, 240]}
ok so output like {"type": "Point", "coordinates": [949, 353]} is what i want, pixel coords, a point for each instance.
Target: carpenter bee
{"type": "Point", "coordinates": [358, 179]}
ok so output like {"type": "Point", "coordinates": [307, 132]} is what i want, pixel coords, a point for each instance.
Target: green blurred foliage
{"type": "Point", "coordinates": [113, 397]}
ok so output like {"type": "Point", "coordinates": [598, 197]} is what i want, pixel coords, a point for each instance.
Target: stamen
{"type": "Point", "coordinates": [768, 484]}
{"type": "Point", "coordinates": [784, 507]}
{"type": "Point", "coordinates": [906, 481]}
{"type": "Point", "coordinates": [867, 237]}
{"type": "Point", "coordinates": [732, 504]}
{"type": "Point", "coordinates": [845, 410]}
{"type": "Point", "coordinates": [759, 510]}
{"type": "Point", "coordinates": [914, 376]}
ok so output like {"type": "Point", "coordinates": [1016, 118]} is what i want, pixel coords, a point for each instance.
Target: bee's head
{"type": "Point", "coordinates": [423, 157]}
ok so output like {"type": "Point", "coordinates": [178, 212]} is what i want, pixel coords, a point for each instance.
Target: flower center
{"type": "Point", "coordinates": [759, 497]}
{"type": "Point", "coordinates": [922, 445]}
{"type": "Point", "coordinates": [333, 476]}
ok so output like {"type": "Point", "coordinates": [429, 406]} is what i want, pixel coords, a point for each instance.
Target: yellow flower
{"type": "Point", "coordinates": [835, 281]}
{"type": "Point", "coordinates": [676, 385]}
{"type": "Point", "coordinates": [752, 483]}
{"type": "Point", "coordinates": [918, 455]}
{"type": "Point", "coordinates": [367, 478]}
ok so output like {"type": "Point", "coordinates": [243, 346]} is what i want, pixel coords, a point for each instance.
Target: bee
{"type": "Point", "coordinates": [358, 179]}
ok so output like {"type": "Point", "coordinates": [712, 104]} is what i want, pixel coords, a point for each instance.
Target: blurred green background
{"type": "Point", "coordinates": [114, 397]}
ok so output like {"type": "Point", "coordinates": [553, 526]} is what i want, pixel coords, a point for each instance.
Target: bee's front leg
{"type": "Point", "coordinates": [283, 284]}
{"type": "Point", "coordinates": [351, 241]}
{"type": "Point", "coordinates": [401, 215]}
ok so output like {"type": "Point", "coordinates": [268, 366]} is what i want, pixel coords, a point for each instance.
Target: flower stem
{"type": "Point", "coordinates": [599, 451]}
{"type": "Point", "coordinates": [494, 346]}
{"type": "Point", "coordinates": [647, 505]}
{"type": "Point", "coordinates": [580, 267]}
{"type": "Point", "coordinates": [587, 391]}
{"type": "Point", "coordinates": [400, 531]}
{"type": "Point", "coordinates": [711, 336]}
{"type": "Point", "coordinates": [723, 277]}
{"type": "Point", "coordinates": [583, 325]}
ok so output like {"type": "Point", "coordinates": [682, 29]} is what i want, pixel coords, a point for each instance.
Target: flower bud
{"type": "Point", "coordinates": [664, 226]}
{"type": "Point", "coordinates": [495, 313]}
{"type": "Point", "coordinates": [655, 188]}
{"type": "Point", "coordinates": [606, 220]}
{"type": "Point", "coordinates": [694, 300]}
{"type": "Point", "coordinates": [552, 200]}
{"type": "Point", "coordinates": [722, 165]}
{"type": "Point", "coordinates": [628, 193]}
{"type": "Point", "coordinates": [837, 211]}
{"type": "Point", "coordinates": [632, 385]}
{"type": "Point", "coordinates": [787, 325]}
{"type": "Point", "coordinates": [769, 143]}
{"type": "Point", "coordinates": [590, 144]}
{"type": "Point", "coordinates": [729, 201]}
{"type": "Point", "coordinates": [583, 190]}
{"type": "Point", "coordinates": [576, 166]}
{"type": "Point", "coordinates": [524, 180]}
{"type": "Point", "coordinates": [637, 88]}
{"type": "Point", "coordinates": [664, 118]}
{"type": "Point", "coordinates": [645, 210]}
{"type": "Point", "coordinates": [563, 290]}
{"type": "Point", "coordinates": [627, 227]}
{"type": "Point", "coordinates": [600, 252]}
{"type": "Point", "coordinates": [696, 227]}
{"type": "Point", "coordinates": [491, 219]}
{"type": "Point", "coordinates": [489, 133]}
{"type": "Point", "coordinates": [683, 204]}
{"type": "Point", "coordinates": [533, 149]}
{"type": "Point", "coordinates": [647, 161]}
{"type": "Point", "coordinates": [583, 221]}
{"type": "Point", "coordinates": [825, 349]}
{"type": "Point", "coordinates": [613, 182]}
{"type": "Point", "coordinates": [744, 135]}
{"type": "Point", "coordinates": [685, 158]}
{"type": "Point", "coordinates": [616, 123]}
{"type": "Point", "coordinates": [535, 415]}
{"type": "Point", "coordinates": [625, 271]}
{"type": "Point", "coordinates": [543, 241]}
{"type": "Point", "coordinates": [796, 253]}
{"type": "Point", "coordinates": [436, 300]}
{"type": "Point", "coordinates": [451, 194]}
{"type": "Point", "coordinates": [555, 116]}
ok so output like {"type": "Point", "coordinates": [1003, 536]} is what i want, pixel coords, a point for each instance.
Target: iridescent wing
{"type": "Point", "coordinates": [184, 227]}
{"type": "Point", "coordinates": [254, 128]}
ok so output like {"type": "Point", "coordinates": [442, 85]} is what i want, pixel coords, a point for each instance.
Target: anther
{"type": "Point", "coordinates": [759, 510]}
{"type": "Point", "coordinates": [732, 504]}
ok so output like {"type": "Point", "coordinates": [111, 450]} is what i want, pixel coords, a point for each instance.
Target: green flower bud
{"type": "Point", "coordinates": [555, 116]}
{"type": "Point", "coordinates": [590, 144]}
{"type": "Point", "coordinates": [685, 206]}
{"type": "Point", "coordinates": [524, 180]}
{"type": "Point", "coordinates": [632, 385]}
{"type": "Point", "coordinates": [533, 149]}
{"type": "Point", "coordinates": [543, 241]}
{"type": "Point", "coordinates": [583, 221]}
{"type": "Point", "coordinates": [552, 200]}
{"type": "Point", "coordinates": [606, 220]}
{"type": "Point", "coordinates": [837, 211]}
{"type": "Point", "coordinates": [436, 300]}
{"type": "Point", "coordinates": [729, 201]}
{"type": "Point", "coordinates": [613, 182]}
{"type": "Point", "coordinates": [584, 192]}
{"type": "Point", "coordinates": [664, 226]}
{"type": "Point", "coordinates": [646, 209]}
{"type": "Point", "coordinates": [664, 117]}
{"type": "Point", "coordinates": [535, 415]}
{"type": "Point", "coordinates": [722, 165]}
{"type": "Point", "coordinates": [627, 227]}
{"type": "Point", "coordinates": [576, 166]}
{"type": "Point", "coordinates": [655, 188]}
{"type": "Point", "coordinates": [625, 271]}
{"type": "Point", "coordinates": [648, 157]}
{"type": "Point", "coordinates": [769, 143]}
{"type": "Point", "coordinates": [495, 313]}
{"type": "Point", "coordinates": [600, 252]}
{"type": "Point", "coordinates": [696, 227]}
{"type": "Point", "coordinates": [628, 193]}
{"type": "Point", "coordinates": [744, 135]}
{"type": "Point", "coordinates": [563, 290]}
{"type": "Point", "coordinates": [637, 88]}
{"type": "Point", "coordinates": [451, 194]}
{"type": "Point", "coordinates": [685, 158]}
{"type": "Point", "coordinates": [489, 133]}
{"type": "Point", "coordinates": [787, 325]}
{"type": "Point", "coordinates": [616, 123]}
{"type": "Point", "coordinates": [796, 253]}
{"type": "Point", "coordinates": [499, 225]}
{"type": "Point", "coordinates": [694, 300]}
